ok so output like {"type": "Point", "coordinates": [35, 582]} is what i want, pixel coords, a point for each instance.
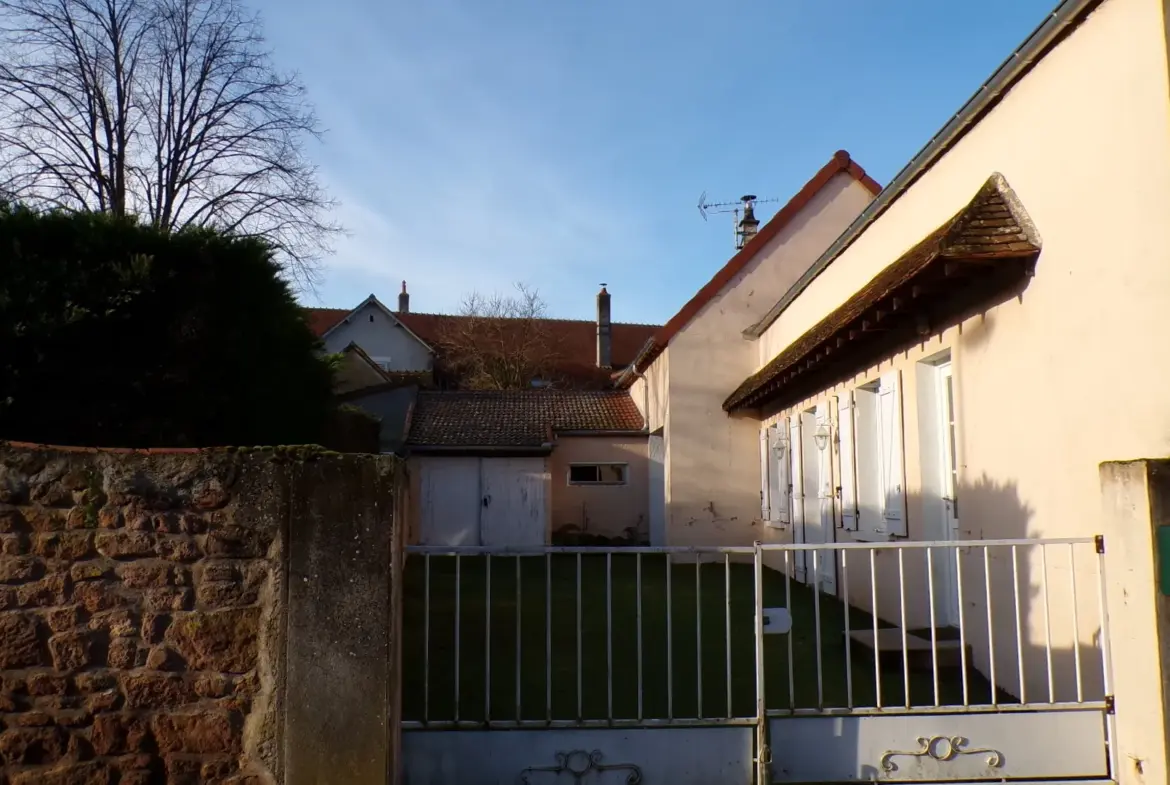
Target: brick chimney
{"type": "Point", "coordinates": [403, 300]}
{"type": "Point", "coordinates": [604, 330]}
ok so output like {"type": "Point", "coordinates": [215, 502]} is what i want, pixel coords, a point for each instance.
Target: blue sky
{"type": "Point", "coordinates": [477, 143]}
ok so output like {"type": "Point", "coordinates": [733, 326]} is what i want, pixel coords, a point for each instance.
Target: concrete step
{"type": "Point", "coordinates": [889, 646]}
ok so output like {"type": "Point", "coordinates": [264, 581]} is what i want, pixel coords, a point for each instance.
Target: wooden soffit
{"type": "Point", "coordinates": [982, 255]}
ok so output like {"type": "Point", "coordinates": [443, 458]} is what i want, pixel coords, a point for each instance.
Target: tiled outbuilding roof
{"type": "Point", "coordinates": [516, 418]}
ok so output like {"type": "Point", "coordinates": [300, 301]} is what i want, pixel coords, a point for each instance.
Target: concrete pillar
{"type": "Point", "coordinates": [1135, 504]}
{"type": "Point", "coordinates": [341, 717]}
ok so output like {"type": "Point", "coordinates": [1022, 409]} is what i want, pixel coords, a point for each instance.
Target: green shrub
{"type": "Point", "coordinates": [115, 333]}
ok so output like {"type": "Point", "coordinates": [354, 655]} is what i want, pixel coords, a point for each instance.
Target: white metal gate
{"type": "Point", "coordinates": [714, 665]}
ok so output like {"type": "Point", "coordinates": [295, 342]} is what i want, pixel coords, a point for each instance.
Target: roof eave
{"type": "Point", "coordinates": [1047, 35]}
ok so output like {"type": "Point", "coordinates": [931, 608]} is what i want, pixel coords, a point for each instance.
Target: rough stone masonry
{"type": "Point", "coordinates": [141, 615]}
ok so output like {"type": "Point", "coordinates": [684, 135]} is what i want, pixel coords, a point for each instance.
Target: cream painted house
{"type": "Point", "coordinates": [703, 465]}
{"type": "Point", "coordinates": [960, 361]}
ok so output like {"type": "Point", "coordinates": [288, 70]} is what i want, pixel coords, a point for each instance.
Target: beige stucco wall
{"type": "Point", "coordinates": [1074, 372]}
{"type": "Point", "coordinates": [607, 510]}
{"type": "Point", "coordinates": [713, 467]}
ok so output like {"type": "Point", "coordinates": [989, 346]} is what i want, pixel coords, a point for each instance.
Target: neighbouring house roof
{"type": "Point", "coordinates": [987, 250]}
{"type": "Point", "coordinates": [840, 163]}
{"type": "Point", "coordinates": [517, 418]}
{"type": "Point", "coordinates": [575, 341]}
{"type": "Point", "coordinates": [358, 371]}
{"type": "Point", "coordinates": [1055, 27]}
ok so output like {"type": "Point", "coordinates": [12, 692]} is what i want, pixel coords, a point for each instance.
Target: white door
{"type": "Point", "coordinates": [950, 524]}
{"type": "Point", "coordinates": [657, 511]}
{"type": "Point", "coordinates": [449, 501]}
{"type": "Point", "coordinates": [513, 504]}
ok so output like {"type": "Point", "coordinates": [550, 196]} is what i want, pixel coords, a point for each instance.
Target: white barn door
{"type": "Point", "coordinates": [449, 501]}
{"type": "Point", "coordinates": [514, 505]}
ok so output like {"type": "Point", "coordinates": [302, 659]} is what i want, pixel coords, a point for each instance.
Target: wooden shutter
{"type": "Point", "coordinates": [765, 475]}
{"type": "Point", "coordinates": [847, 453]}
{"type": "Point", "coordinates": [781, 488]}
{"type": "Point", "coordinates": [890, 452]}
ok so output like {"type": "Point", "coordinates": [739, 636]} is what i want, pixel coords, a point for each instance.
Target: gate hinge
{"type": "Point", "coordinates": [1099, 543]}
{"type": "Point", "coordinates": [765, 756]}
{"type": "Point", "coordinates": [1110, 707]}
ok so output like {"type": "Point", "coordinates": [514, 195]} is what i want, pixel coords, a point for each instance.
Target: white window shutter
{"type": "Point", "coordinates": [781, 490]}
{"type": "Point", "coordinates": [847, 453]}
{"type": "Point", "coordinates": [795, 473]}
{"type": "Point", "coordinates": [891, 460]}
{"type": "Point", "coordinates": [765, 475]}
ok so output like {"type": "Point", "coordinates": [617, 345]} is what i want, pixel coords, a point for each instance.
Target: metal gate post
{"type": "Point", "coordinates": [763, 753]}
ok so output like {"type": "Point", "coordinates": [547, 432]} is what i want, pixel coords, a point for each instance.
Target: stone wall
{"type": "Point", "coordinates": [143, 609]}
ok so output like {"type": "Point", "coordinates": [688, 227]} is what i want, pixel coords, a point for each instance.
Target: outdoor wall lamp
{"type": "Point", "coordinates": [821, 435]}
{"type": "Point", "coordinates": [781, 444]}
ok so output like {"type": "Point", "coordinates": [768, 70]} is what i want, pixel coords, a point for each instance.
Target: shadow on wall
{"type": "Point", "coordinates": [1027, 640]}
{"type": "Point", "coordinates": [1015, 600]}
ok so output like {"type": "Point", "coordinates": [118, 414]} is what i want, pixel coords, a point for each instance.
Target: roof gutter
{"type": "Point", "coordinates": [1066, 16]}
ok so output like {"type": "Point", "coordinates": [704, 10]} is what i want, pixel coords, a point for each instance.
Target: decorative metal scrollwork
{"type": "Point", "coordinates": [579, 763]}
{"type": "Point", "coordinates": [942, 749]}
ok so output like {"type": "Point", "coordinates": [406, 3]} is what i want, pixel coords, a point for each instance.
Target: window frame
{"type": "Point", "coordinates": [625, 480]}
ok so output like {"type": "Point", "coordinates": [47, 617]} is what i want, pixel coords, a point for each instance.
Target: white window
{"type": "Point", "coordinates": [383, 362]}
{"type": "Point", "coordinates": [878, 458]}
{"type": "Point", "coordinates": [597, 474]}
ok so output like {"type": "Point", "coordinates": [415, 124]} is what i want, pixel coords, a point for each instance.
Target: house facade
{"type": "Point", "coordinates": [526, 467]}
{"type": "Point", "coordinates": [703, 464]}
{"type": "Point", "coordinates": [960, 361]}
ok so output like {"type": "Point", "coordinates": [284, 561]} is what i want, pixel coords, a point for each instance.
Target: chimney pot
{"type": "Point", "coordinates": [403, 300]}
{"type": "Point", "coordinates": [604, 330]}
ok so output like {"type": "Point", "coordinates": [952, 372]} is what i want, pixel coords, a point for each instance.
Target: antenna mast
{"type": "Point", "coordinates": [743, 228]}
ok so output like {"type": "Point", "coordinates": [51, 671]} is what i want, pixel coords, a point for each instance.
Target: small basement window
{"type": "Point", "coordinates": [597, 474]}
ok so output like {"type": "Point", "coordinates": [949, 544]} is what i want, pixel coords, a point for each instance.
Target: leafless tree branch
{"type": "Point", "coordinates": [500, 341]}
{"type": "Point", "coordinates": [169, 109]}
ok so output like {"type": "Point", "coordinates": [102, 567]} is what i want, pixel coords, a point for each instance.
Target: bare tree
{"type": "Point", "coordinates": [500, 341]}
{"type": "Point", "coordinates": [168, 109]}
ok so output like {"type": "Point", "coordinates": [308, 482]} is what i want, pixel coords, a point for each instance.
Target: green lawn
{"type": "Point", "coordinates": [689, 643]}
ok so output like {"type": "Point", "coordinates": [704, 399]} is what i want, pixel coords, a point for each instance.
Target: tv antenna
{"type": "Point", "coordinates": [743, 228]}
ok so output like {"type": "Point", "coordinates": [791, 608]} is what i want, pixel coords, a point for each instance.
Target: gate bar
{"type": "Point", "coordinates": [487, 640]}
{"type": "Point", "coordinates": [962, 625]}
{"type": "Point", "coordinates": [763, 755]}
{"type": "Point", "coordinates": [905, 645]}
{"type": "Point", "coordinates": [1019, 626]}
{"type": "Point", "coordinates": [933, 624]}
{"type": "Point", "coordinates": [727, 621]}
{"type": "Point", "coordinates": [1047, 624]}
{"type": "Point", "coordinates": [518, 643]}
{"type": "Point", "coordinates": [1106, 659]}
{"type": "Point", "coordinates": [699, 636]}
{"type": "Point", "coordinates": [990, 625]}
{"type": "Point", "coordinates": [848, 639]}
{"type": "Point", "coordinates": [873, 609]}
{"type": "Point", "coordinates": [816, 583]}
{"type": "Point", "coordinates": [1072, 572]}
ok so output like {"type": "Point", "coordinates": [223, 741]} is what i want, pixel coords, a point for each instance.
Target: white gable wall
{"type": "Point", "coordinates": [712, 461]}
{"type": "Point", "coordinates": [382, 337]}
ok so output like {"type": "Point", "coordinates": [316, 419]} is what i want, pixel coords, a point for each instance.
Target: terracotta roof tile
{"type": "Point", "coordinates": [516, 418]}
{"type": "Point", "coordinates": [575, 340]}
